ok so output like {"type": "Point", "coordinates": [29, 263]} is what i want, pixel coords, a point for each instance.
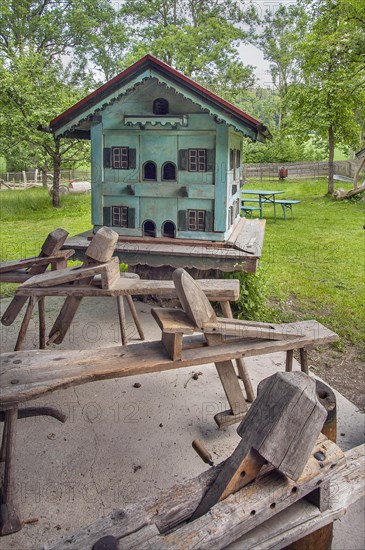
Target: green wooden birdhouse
{"type": "Point", "coordinates": [166, 154]}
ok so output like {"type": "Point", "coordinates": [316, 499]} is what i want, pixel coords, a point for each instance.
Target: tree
{"type": "Point", "coordinates": [36, 36]}
{"type": "Point", "coordinates": [198, 37]}
{"type": "Point", "coordinates": [276, 34]}
{"type": "Point", "coordinates": [32, 94]}
{"type": "Point", "coordinates": [331, 91]}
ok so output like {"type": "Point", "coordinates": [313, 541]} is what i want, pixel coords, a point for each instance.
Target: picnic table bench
{"type": "Point", "coordinates": [286, 204]}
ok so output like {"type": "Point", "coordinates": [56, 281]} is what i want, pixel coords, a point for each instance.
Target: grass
{"type": "Point", "coordinates": [26, 218]}
{"type": "Point", "coordinates": [314, 264]}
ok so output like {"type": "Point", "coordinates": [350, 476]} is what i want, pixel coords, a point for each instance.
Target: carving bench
{"type": "Point", "coordinates": [99, 276]}
{"type": "Point", "coordinates": [19, 271]}
{"type": "Point", "coordinates": [26, 375]}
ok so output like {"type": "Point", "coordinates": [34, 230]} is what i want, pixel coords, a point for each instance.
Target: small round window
{"type": "Point", "coordinates": [160, 106]}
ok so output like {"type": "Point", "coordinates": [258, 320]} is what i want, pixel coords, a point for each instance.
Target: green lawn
{"type": "Point", "coordinates": [26, 217]}
{"type": "Point", "coordinates": [314, 264]}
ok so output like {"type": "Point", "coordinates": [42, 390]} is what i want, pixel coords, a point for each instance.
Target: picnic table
{"type": "Point", "coordinates": [263, 196]}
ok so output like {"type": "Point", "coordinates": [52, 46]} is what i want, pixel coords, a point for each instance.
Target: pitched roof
{"type": "Point", "coordinates": [151, 62]}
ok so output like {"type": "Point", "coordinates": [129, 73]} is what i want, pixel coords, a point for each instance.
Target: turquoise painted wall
{"type": "Point", "coordinates": [160, 201]}
{"type": "Point", "coordinates": [97, 174]}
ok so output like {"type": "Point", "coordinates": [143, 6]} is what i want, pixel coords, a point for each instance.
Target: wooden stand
{"type": "Point", "coordinates": [296, 488]}
{"type": "Point", "coordinates": [18, 271]}
{"type": "Point", "coordinates": [222, 341]}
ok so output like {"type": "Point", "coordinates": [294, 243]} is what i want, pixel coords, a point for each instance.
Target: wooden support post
{"type": "Point", "coordinates": [173, 344]}
{"type": "Point", "coordinates": [289, 360]}
{"type": "Point", "coordinates": [199, 310]}
{"type": "Point", "coordinates": [122, 322]}
{"type": "Point", "coordinates": [241, 367]}
{"type": "Point", "coordinates": [135, 316]}
{"type": "Point", "coordinates": [25, 323]}
{"type": "Point", "coordinates": [304, 360]}
{"type": "Point", "coordinates": [9, 516]}
{"type": "Point", "coordinates": [42, 323]}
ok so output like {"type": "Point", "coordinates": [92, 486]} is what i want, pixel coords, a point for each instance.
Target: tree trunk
{"type": "Point", "coordinates": [44, 171]}
{"type": "Point", "coordinates": [56, 175]}
{"type": "Point", "coordinates": [331, 146]}
{"type": "Point", "coordinates": [357, 173]}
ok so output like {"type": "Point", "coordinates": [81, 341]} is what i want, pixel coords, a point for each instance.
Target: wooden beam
{"type": "Point", "coordinates": [269, 513]}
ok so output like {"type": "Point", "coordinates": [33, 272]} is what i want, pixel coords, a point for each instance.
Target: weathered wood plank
{"type": "Point", "coordinates": [216, 291]}
{"type": "Point", "coordinates": [51, 245]}
{"type": "Point", "coordinates": [39, 372]}
{"type": "Point", "coordinates": [270, 496]}
{"type": "Point", "coordinates": [67, 275]}
{"type": "Point", "coordinates": [245, 329]}
{"type": "Point", "coordinates": [173, 320]}
{"type": "Point", "coordinates": [35, 260]}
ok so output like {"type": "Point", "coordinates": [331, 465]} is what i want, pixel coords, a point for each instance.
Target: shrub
{"type": "Point", "coordinates": [251, 304]}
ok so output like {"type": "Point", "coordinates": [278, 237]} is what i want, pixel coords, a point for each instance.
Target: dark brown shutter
{"type": "Point", "coordinates": [210, 160]}
{"type": "Point", "coordinates": [131, 218]}
{"type": "Point", "coordinates": [107, 157]}
{"type": "Point", "coordinates": [181, 220]}
{"type": "Point", "coordinates": [183, 159]}
{"type": "Point", "coordinates": [107, 211]}
{"type": "Point", "coordinates": [209, 221]}
{"type": "Point", "coordinates": [132, 159]}
{"type": "Point", "coordinates": [231, 159]}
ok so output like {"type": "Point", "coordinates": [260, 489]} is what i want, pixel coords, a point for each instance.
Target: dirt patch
{"type": "Point", "coordinates": [343, 370]}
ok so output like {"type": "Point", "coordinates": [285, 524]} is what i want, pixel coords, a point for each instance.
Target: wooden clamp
{"type": "Point", "coordinates": [280, 428]}
{"type": "Point", "coordinates": [51, 246]}
{"type": "Point", "coordinates": [99, 251]}
{"type": "Point", "coordinates": [199, 311]}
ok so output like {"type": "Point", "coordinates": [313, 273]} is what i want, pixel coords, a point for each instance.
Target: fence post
{"type": "Point", "coordinates": [24, 178]}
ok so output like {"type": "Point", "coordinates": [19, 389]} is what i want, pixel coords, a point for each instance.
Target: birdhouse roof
{"type": "Point", "coordinates": [81, 114]}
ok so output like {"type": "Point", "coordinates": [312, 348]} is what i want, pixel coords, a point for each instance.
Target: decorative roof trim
{"type": "Point", "coordinates": [219, 118]}
{"type": "Point", "coordinates": [151, 62]}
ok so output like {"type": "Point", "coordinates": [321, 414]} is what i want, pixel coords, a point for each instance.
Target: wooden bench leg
{"type": "Point", "coordinates": [304, 360]}
{"type": "Point", "coordinates": [122, 323]}
{"type": "Point", "coordinates": [232, 389]}
{"type": "Point", "coordinates": [9, 516]}
{"type": "Point", "coordinates": [25, 323]}
{"type": "Point", "coordinates": [289, 360]}
{"type": "Point", "coordinates": [42, 323]}
{"type": "Point", "coordinates": [241, 367]}
{"type": "Point", "coordinates": [135, 316]}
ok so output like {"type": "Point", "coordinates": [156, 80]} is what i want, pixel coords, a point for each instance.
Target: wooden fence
{"type": "Point", "coordinates": [299, 169]}
{"type": "Point", "coordinates": [254, 171]}
{"type": "Point", "coordinates": [34, 177]}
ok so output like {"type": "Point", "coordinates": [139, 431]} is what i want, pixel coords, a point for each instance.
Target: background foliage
{"type": "Point", "coordinates": [53, 52]}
